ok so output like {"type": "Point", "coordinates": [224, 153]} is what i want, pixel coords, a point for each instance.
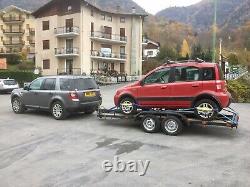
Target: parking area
{"type": "Point", "coordinates": [36, 150]}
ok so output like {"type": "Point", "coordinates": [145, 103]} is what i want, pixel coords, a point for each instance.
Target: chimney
{"type": "Point", "coordinates": [133, 10]}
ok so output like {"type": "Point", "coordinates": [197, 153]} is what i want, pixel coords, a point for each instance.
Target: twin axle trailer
{"type": "Point", "coordinates": [171, 121]}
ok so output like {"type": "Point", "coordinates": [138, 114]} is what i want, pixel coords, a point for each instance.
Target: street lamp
{"type": "Point", "coordinates": [214, 30]}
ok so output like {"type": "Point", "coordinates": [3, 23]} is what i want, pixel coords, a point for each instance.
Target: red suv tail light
{"type": "Point", "coordinates": [73, 96]}
{"type": "Point", "coordinates": [221, 86]}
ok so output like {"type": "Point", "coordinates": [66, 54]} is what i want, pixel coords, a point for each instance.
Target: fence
{"type": "Point", "coordinates": [234, 75]}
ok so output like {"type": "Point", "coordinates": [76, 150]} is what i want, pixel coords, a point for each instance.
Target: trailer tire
{"type": "Point", "coordinates": [172, 126]}
{"type": "Point", "coordinates": [150, 124]}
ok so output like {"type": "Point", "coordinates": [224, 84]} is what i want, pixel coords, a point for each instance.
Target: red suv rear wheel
{"type": "Point", "coordinates": [206, 109]}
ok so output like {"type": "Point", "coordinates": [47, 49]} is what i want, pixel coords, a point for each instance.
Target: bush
{"type": "Point", "coordinates": [20, 76]}
{"type": "Point", "coordinates": [240, 90]}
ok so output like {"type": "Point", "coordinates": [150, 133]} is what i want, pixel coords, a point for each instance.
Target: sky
{"type": "Point", "coordinates": [154, 6]}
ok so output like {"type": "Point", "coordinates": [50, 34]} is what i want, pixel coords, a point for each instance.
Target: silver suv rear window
{"type": "Point", "coordinates": [77, 84]}
{"type": "Point", "coordinates": [9, 82]}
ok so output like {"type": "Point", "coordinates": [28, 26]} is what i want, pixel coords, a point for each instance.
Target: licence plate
{"type": "Point", "coordinates": [90, 94]}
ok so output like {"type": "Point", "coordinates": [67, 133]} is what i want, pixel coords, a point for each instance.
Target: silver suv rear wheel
{"type": "Point", "coordinates": [58, 111]}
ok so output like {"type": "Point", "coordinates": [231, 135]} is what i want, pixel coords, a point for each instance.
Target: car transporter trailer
{"type": "Point", "coordinates": [171, 121]}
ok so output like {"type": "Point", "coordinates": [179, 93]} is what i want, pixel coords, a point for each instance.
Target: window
{"type": "Point", "coordinates": [49, 84]}
{"type": "Point", "coordinates": [45, 25]}
{"type": "Point", "coordinates": [122, 19]}
{"type": "Point", "coordinates": [160, 76]}
{"type": "Point", "coordinates": [122, 52]}
{"type": "Point", "coordinates": [69, 8]}
{"type": "Point", "coordinates": [92, 12]}
{"type": "Point", "coordinates": [109, 18]}
{"type": "Point", "coordinates": [208, 74]}
{"type": "Point", "coordinates": [45, 44]}
{"type": "Point", "coordinates": [186, 74]}
{"type": "Point", "coordinates": [46, 64]}
{"type": "Point", "coordinates": [36, 84]}
{"type": "Point", "coordinates": [27, 26]}
{"type": "Point", "coordinates": [150, 53]}
{"type": "Point", "coordinates": [103, 16]}
{"type": "Point", "coordinates": [79, 84]}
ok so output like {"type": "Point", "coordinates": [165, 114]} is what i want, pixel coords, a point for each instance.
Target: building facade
{"type": "Point", "coordinates": [17, 31]}
{"type": "Point", "coordinates": [78, 37]}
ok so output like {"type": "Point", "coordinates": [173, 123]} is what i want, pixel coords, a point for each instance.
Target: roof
{"type": "Point", "coordinates": [194, 63]}
{"type": "Point", "coordinates": [120, 11]}
{"type": "Point", "coordinates": [12, 7]}
{"type": "Point", "coordinates": [96, 6]}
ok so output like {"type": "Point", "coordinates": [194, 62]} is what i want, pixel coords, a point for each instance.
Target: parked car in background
{"type": "Point", "coordinates": [8, 85]}
{"type": "Point", "coordinates": [61, 95]}
{"type": "Point", "coordinates": [178, 86]}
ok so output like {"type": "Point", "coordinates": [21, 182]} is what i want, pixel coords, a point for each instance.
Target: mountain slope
{"type": "Point", "coordinates": [125, 5]}
{"type": "Point", "coordinates": [200, 15]}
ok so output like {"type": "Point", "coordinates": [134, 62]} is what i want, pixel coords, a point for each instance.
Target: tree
{"type": "Point", "coordinates": [185, 50]}
{"type": "Point", "coordinates": [233, 59]}
{"type": "Point", "coordinates": [167, 53]}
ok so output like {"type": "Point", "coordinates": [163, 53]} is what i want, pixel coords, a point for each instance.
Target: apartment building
{"type": "Point", "coordinates": [17, 31]}
{"type": "Point", "coordinates": [77, 37]}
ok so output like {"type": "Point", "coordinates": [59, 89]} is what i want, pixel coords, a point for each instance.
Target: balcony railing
{"type": "Point", "coordinates": [61, 52]}
{"type": "Point", "coordinates": [10, 51]}
{"type": "Point", "coordinates": [13, 19]}
{"type": "Point", "coordinates": [13, 31]}
{"type": "Point", "coordinates": [13, 42]}
{"type": "Point", "coordinates": [109, 56]}
{"type": "Point", "coordinates": [73, 71]}
{"type": "Point", "coordinates": [108, 37]}
{"type": "Point", "coordinates": [67, 31]}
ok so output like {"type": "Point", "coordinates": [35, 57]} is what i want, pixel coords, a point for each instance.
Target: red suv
{"type": "Point", "coordinates": [179, 85]}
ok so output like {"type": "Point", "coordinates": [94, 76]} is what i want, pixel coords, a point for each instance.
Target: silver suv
{"type": "Point", "coordinates": [61, 95]}
{"type": "Point", "coordinates": [7, 85]}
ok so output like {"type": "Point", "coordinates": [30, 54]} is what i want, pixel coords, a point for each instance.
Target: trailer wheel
{"type": "Point", "coordinates": [172, 126]}
{"type": "Point", "coordinates": [150, 124]}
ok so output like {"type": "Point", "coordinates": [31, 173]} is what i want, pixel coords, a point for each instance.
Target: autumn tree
{"type": "Point", "coordinates": [185, 50]}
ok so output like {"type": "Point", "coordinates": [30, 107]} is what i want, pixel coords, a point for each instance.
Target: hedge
{"type": "Point", "coordinates": [240, 90]}
{"type": "Point", "coordinates": [20, 76]}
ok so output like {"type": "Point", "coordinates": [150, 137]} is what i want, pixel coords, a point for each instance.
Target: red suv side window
{"type": "Point", "coordinates": [158, 77]}
{"type": "Point", "coordinates": [187, 74]}
{"type": "Point", "coordinates": [208, 74]}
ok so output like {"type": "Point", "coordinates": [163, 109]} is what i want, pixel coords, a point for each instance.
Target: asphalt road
{"type": "Point", "coordinates": [36, 150]}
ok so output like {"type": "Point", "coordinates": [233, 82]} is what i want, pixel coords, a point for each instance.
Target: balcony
{"type": "Point", "coordinates": [108, 38]}
{"type": "Point", "coordinates": [13, 31]}
{"type": "Point", "coordinates": [13, 20]}
{"type": "Point", "coordinates": [67, 31]}
{"type": "Point", "coordinates": [13, 42]}
{"type": "Point", "coordinates": [98, 55]}
{"type": "Point", "coordinates": [73, 71]}
{"type": "Point", "coordinates": [9, 51]}
{"type": "Point", "coordinates": [66, 52]}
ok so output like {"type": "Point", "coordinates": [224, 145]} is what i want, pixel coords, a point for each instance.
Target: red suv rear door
{"type": "Point", "coordinates": [155, 89]}
{"type": "Point", "coordinates": [187, 85]}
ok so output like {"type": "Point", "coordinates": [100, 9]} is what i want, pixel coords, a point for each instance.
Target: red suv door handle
{"type": "Point", "coordinates": [164, 87]}
{"type": "Point", "coordinates": [195, 85]}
